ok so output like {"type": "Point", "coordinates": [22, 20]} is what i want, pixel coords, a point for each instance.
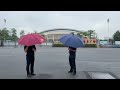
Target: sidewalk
{"type": "Point", "coordinates": [65, 75]}
{"type": "Point", "coordinates": [56, 75]}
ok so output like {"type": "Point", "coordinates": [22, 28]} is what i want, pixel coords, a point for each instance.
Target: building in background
{"type": "Point", "coordinates": [54, 35]}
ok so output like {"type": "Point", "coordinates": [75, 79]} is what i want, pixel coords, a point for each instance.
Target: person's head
{"type": "Point", "coordinates": [72, 33]}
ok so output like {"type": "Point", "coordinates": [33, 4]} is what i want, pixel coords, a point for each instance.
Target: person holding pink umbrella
{"type": "Point", "coordinates": [30, 58]}
{"type": "Point", "coordinates": [29, 41]}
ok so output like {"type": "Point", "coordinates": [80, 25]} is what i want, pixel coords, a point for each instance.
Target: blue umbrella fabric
{"type": "Point", "coordinates": [71, 40]}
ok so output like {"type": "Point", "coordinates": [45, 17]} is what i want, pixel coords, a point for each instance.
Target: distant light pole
{"type": "Point", "coordinates": [4, 27]}
{"type": "Point", "coordinates": [108, 29]}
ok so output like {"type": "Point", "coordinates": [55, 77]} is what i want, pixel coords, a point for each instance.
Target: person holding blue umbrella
{"type": "Point", "coordinates": [72, 56]}
{"type": "Point", "coordinates": [73, 42]}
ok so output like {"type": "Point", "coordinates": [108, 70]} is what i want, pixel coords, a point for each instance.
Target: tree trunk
{"type": "Point", "coordinates": [15, 43]}
{"type": "Point", "coordinates": [2, 43]}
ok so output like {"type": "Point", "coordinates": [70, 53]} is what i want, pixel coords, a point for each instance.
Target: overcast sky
{"type": "Point", "coordinates": [45, 20]}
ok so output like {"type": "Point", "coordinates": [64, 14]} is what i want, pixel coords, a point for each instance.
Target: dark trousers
{"type": "Point", "coordinates": [72, 62]}
{"type": "Point", "coordinates": [30, 64]}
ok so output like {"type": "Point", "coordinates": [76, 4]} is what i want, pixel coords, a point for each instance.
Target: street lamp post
{"type": "Point", "coordinates": [108, 29]}
{"type": "Point", "coordinates": [4, 27]}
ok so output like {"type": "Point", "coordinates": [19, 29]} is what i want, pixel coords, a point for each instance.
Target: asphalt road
{"type": "Point", "coordinates": [53, 62]}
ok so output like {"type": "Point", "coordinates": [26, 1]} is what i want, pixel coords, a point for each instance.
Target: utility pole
{"type": "Point", "coordinates": [4, 27]}
{"type": "Point", "coordinates": [108, 29]}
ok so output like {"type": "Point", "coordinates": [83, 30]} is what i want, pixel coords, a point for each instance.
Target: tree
{"type": "Point", "coordinates": [80, 34]}
{"type": "Point", "coordinates": [116, 36]}
{"type": "Point", "coordinates": [85, 34]}
{"type": "Point", "coordinates": [91, 33]}
{"type": "Point", "coordinates": [22, 33]}
{"type": "Point", "coordinates": [3, 35]}
{"type": "Point", "coordinates": [14, 35]}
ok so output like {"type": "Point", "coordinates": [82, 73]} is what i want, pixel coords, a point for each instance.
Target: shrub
{"type": "Point", "coordinates": [86, 45]}
{"type": "Point", "coordinates": [58, 45]}
{"type": "Point", "coordinates": [90, 45]}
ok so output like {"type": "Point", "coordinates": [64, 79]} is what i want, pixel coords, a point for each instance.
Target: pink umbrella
{"type": "Point", "coordinates": [31, 39]}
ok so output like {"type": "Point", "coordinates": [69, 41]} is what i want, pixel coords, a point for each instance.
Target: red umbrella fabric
{"type": "Point", "coordinates": [31, 39]}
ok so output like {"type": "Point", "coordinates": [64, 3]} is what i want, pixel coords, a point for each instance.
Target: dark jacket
{"type": "Point", "coordinates": [30, 51]}
{"type": "Point", "coordinates": [72, 52]}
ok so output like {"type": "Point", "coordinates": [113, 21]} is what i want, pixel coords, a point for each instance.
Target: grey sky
{"type": "Point", "coordinates": [44, 20]}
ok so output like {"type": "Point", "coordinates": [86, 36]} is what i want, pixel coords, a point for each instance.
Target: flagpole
{"type": "Point", "coordinates": [108, 29]}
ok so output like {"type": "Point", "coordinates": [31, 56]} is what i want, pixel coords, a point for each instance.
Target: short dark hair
{"type": "Point", "coordinates": [72, 33]}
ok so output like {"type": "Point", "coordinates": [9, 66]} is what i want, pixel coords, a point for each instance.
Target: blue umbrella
{"type": "Point", "coordinates": [71, 40]}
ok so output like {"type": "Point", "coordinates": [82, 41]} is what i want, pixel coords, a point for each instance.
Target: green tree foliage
{"type": "Point", "coordinates": [116, 36]}
{"type": "Point", "coordinates": [3, 35]}
{"type": "Point", "coordinates": [91, 33]}
{"type": "Point", "coordinates": [14, 35]}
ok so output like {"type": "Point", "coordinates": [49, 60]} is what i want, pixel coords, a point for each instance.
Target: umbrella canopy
{"type": "Point", "coordinates": [31, 39]}
{"type": "Point", "coordinates": [71, 41]}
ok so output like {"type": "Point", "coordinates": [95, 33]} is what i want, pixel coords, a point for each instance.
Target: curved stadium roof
{"type": "Point", "coordinates": [60, 29]}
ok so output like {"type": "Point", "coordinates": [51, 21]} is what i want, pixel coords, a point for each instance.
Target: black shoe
{"type": "Point", "coordinates": [74, 73]}
{"type": "Point", "coordinates": [70, 71]}
{"type": "Point", "coordinates": [28, 75]}
{"type": "Point", "coordinates": [33, 74]}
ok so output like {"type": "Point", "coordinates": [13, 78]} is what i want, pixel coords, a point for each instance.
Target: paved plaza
{"type": "Point", "coordinates": [52, 63]}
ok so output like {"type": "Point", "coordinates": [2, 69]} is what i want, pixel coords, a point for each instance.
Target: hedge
{"type": "Point", "coordinates": [86, 45]}
{"type": "Point", "coordinates": [90, 45]}
{"type": "Point", "coordinates": [58, 45]}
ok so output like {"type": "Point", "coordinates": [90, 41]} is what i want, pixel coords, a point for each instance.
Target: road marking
{"type": "Point", "coordinates": [101, 75]}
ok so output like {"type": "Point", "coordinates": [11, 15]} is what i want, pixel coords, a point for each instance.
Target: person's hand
{"type": "Point", "coordinates": [33, 49]}
{"type": "Point", "coordinates": [68, 48]}
{"type": "Point", "coordinates": [26, 49]}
